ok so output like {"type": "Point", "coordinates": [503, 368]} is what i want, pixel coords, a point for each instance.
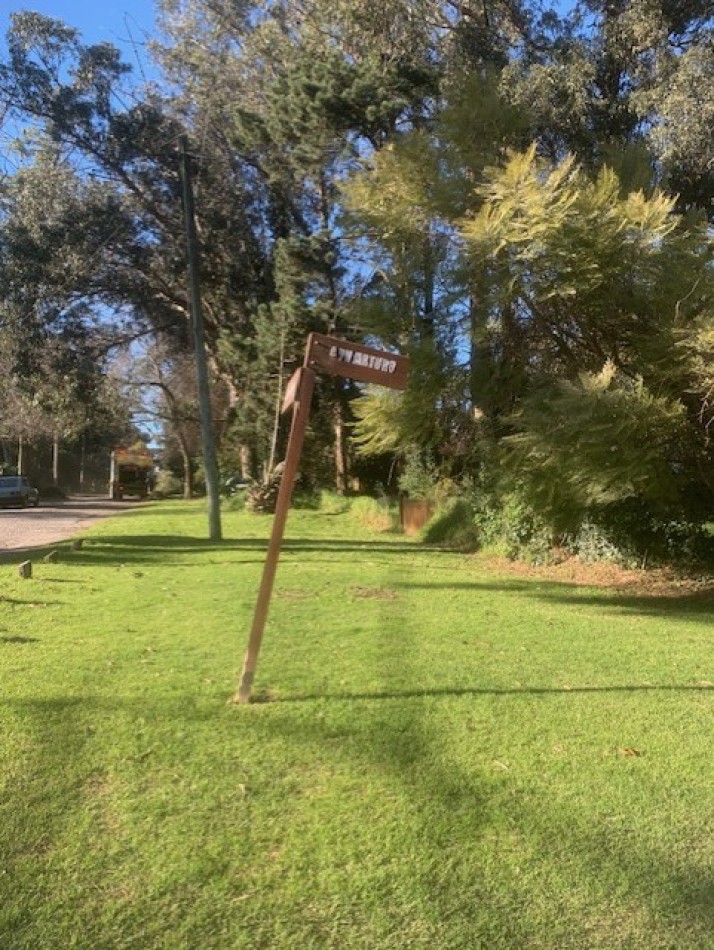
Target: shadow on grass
{"type": "Point", "coordinates": [443, 819]}
{"type": "Point", "coordinates": [450, 805]}
{"type": "Point", "coordinates": [177, 542]}
{"type": "Point", "coordinates": [696, 605]}
{"type": "Point", "coordinates": [15, 602]}
{"type": "Point", "coordinates": [60, 580]}
{"type": "Point", "coordinates": [446, 809]}
{"type": "Point", "coordinates": [136, 549]}
{"type": "Point", "coordinates": [455, 692]}
{"type": "Point", "coordinates": [443, 807]}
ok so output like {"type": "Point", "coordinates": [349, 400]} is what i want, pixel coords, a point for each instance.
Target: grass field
{"type": "Point", "coordinates": [443, 757]}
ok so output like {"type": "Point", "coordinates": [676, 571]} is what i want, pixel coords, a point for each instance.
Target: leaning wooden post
{"type": "Point", "coordinates": [336, 357]}
{"type": "Point", "coordinates": [301, 388]}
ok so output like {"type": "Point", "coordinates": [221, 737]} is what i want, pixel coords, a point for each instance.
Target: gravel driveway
{"type": "Point", "coordinates": [53, 521]}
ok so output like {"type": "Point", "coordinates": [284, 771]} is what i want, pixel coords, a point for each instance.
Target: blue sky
{"type": "Point", "coordinates": [124, 23]}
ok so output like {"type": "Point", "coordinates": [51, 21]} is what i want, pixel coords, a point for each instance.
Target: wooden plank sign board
{"type": "Point", "coordinates": [328, 354]}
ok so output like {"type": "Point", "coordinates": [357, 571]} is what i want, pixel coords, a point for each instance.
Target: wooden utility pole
{"type": "Point", "coordinates": [55, 460]}
{"type": "Point", "coordinates": [210, 464]}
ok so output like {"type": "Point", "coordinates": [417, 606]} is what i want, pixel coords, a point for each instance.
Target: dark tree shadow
{"type": "Point", "coordinates": [695, 605]}
{"type": "Point", "coordinates": [445, 808]}
{"type": "Point", "coordinates": [135, 549]}
{"type": "Point", "coordinates": [352, 696]}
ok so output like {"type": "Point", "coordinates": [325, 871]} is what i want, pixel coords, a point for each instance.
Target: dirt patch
{"type": "Point", "coordinates": [646, 583]}
{"type": "Point", "coordinates": [374, 593]}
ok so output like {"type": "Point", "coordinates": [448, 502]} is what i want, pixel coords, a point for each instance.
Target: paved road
{"type": "Point", "coordinates": [53, 521]}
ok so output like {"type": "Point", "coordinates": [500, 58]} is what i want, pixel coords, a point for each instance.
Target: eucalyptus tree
{"type": "Point", "coordinates": [293, 93]}
{"type": "Point", "coordinates": [159, 383]}
{"type": "Point", "coordinates": [53, 367]}
{"type": "Point", "coordinates": [125, 216]}
{"type": "Point", "coordinates": [100, 210]}
{"type": "Point", "coordinates": [627, 83]}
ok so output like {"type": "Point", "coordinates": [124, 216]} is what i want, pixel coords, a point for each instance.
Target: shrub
{"type": "Point", "coordinates": [306, 500]}
{"type": "Point", "coordinates": [235, 502]}
{"type": "Point", "coordinates": [167, 484]}
{"type": "Point", "coordinates": [508, 526]}
{"type": "Point", "coordinates": [593, 546]}
{"type": "Point", "coordinates": [262, 497]}
{"type": "Point", "coordinates": [642, 538]}
{"type": "Point", "coordinates": [419, 475]}
{"type": "Point", "coordinates": [453, 526]}
{"type": "Point", "coordinates": [374, 514]}
{"type": "Point", "coordinates": [333, 504]}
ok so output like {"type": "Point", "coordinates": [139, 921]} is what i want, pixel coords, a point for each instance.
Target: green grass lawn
{"type": "Point", "coordinates": [443, 756]}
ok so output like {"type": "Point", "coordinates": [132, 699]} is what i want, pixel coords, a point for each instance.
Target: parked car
{"type": "Point", "coordinates": [17, 490]}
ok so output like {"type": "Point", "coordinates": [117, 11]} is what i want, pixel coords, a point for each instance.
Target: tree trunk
{"type": "Point", "coordinates": [187, 469]}
{"type": "Point", "coordinates": [429, 276]}
{"type": "Point", "coordinates": [20, 448]}
{"type": "Point", "coordinates": [210, 461]}
{"type": "Point", "coordinates": [338, 428]}
{"type": "Point", "coordinates": [338, 412]}
{"type": "Point", "coordinates": [246, 464]}
{"type": "Point", "coordinates": [187, 478]}
{"type": "Point", "coordinates": [55, 461]}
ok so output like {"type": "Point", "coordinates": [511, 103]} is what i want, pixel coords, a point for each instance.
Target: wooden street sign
{"type": "Point", "coordinates": [338, 358]}
{"type": "Point", "coordinates": [328, 354]}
